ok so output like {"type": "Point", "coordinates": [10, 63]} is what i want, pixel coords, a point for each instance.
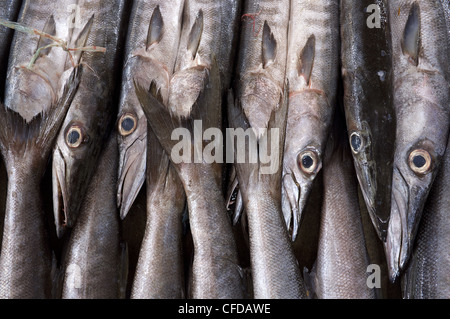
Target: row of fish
{"type": "Point", "coordinates": [93, 91]}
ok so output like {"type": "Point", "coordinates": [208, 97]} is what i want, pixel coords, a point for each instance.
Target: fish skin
{"type": "Point", "coordinates": [159, 271]}
{"type": "Point", "coordinates": [92, 110]}
{"type": "Point", "coordinates": [274, 268]}
{"type": "Point", "coordinates": [426, 276]}
{"type": "Point", "coordinates": [258, 88]}
{"type": "Point", "coordinates": [370, 115]}
{"type": "Point", "coordinates": [50, 70]}
{"type": "Point", "coordinates": [215, 270]}
{"type": "Point", "coordinates": [92, 262]}
{"type": "Point", "coordinates": [9, 10]}
{"type": "Point", "coordinates": [342, 259]}
{"type": "Point", "coordinates": [25, 259]}
{"type": "Point", "coordinates": [144, 65]}
{"type": "Point", "coordinates": [421, 96]}
{"type": "Point", "coordinates": [311, 99]}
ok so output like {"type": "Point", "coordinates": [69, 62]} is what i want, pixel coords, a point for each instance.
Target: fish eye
{"type": "Point", "coordinates": [74, 137]}
{"type": "Point", "coordinates": [308, 162]}
{"type": "Point", "coordinates": [420, 161]}
{"type": "Point", "coordinates": [127, 124]}
{"type": "Point", "coordinates": [356, 142]}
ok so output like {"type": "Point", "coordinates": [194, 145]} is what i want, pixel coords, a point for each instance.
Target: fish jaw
{"type": "Point", "coordinates": [59, 192]}
{"type": "Point", "coordinates": [408, 200]}
{"type": "Point", "coordinates": [132, 165]}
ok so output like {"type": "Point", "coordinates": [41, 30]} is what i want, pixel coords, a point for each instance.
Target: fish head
{"type": "Point", "coordinates": [132, 141]}
{"type": "Point", "coordinates": [302, 161]}
{"type": "Point", "coordinates": [412, 179]}
{"type": "Point", "coordinates": [373, 165]}
{"type": "Point", "coordinates": [74, 159]}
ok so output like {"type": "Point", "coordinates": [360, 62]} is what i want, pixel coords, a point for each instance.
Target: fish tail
{"type": "Point", "coordinates": [163, 122]}
{"type": "Point", "coordinates": [252, 172]}
{"type": "Point", "coordinates": [21, 139]}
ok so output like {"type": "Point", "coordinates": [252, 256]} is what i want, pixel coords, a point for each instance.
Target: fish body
{"type": "Point", "coordinates": [427, 274]}
{"type": "Point", "coordinates": [312, 71]}
{"type": "Point", "coordinates": [159, 270]}
{"type": "Point", "coordinates": [274, 268]}
{"type": "Point", "coordinates": [151, 53]}
{"type": "Point", "coordinates": [421, 101]}
{"type": "Point", "coordinates": [215, 269]}
{"type": "Point", "coordinates": [92, 112]}
{"type": "Point", "coordinates": [92, 263]}
{"type": "Point", "coordinates": [368, 101]}
{"type": "Point", "coordinates": [261, 66]}
{"type": "Point", "coordinates": [340, 271]}
{"type": "Point", "coordinates": [25, 258]}
{"type": "Point", "coordinates": [9, 10]}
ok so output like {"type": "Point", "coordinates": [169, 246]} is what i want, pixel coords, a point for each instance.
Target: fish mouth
{"type": "Point", "coordinates": [60, 207]}
{"type": "Point", "coordinates": [133, 161]}
{"type": "Point", "coordinates": [294, 197]}
{"type": "Point", "coordinates": [406, 208]}
{"type": "Point", "coordinates": [374, 198]}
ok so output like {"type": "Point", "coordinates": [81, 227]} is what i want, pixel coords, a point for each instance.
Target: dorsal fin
{"type": "Point", "coordinates": [196, 34]}
{"type": "Point", "coordinates": [306, 59]}
{"type": "Point", "coordinates": [49, 28]}
{"type": "Point", "coordinates": [155, 29]}
{"type": "Point", "coordinates": [269, 45]}
{"type": "Point", "coordinates": [411, 35]}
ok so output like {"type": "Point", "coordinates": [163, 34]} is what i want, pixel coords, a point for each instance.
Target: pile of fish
{"type": "Point", "coordinates": [123, 125]}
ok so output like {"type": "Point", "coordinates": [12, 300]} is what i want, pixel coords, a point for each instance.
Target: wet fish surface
{"type": "Point", "coordinates": [368, 100]}
{"type": "Point", "coordinates": [312, 71]}
{"type": "Point", "coordinates": [421, 96]}
{"type": "Point", "coordinates": [151, 52]}
{"type": "Point", "coordinates": [340, 271]}
{"type": "Point", "coordinates": [93, 109]}
{"type": "Point", "coordinates": [93, 262]}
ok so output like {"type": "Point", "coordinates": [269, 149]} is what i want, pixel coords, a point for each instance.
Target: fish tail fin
{"type": "Point", "coordinates": [262, 165]}
{"type": "Point", "coordinates": [207, 108]}
{"type": "Point", "coordinates": [18, 137]}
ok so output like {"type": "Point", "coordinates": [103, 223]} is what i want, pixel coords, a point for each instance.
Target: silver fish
{"type": "Point", "coordinates": [215, 270]}
{"type": "Point", "coordinates": [159, 271]}
{"type": "Point", "coordinates": [87, 123]}
{"type": "Point", "coordinates": [421, 100]}
{"type": "Point", "coordinates": [92, 264]}
{"type": "Point", "coordinates": [426, 276]}
{"type": "Point", "coordinates": [25, 258]}
{"type": "Point", "coordinates": [370, 114]}
{"type": "Point", "coordinates": [151, 53]}
{"type": "Point", "coordinates": [341, 266]}
{"type": "Point", "coordinates": [312, 71]}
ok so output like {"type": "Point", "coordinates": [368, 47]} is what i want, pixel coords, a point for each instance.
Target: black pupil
{"type": "Point", "coordinates": [419, 161]}
{"type": "Point", "coordinates": [127, 124]}
{"type": "Point", "coordinates": [73, 137]}
{"type": "Point", "coordinates": [356, 142]}
{"type": "Point", "coordinates": [307, 161]}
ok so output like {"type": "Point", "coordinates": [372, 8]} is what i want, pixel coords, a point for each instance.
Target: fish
{"type": "Point", "coordinates": [150, 55]}
{"type": "Point", "coordinates": [312, 70]}
{"type": "Point", "coordinates": [9, 10]}
{"type": "Point", "coordinates": [92, 263]}
{"type": "Point", "coordinates": [159, 271]}
{"type": "Point", "coordinates": [25, 258]}
{"type": "Point", "coordinates": [368, 100]}
{"type": "Point", "coordinates": [274, 268]}
{"type": "Point", "coordinates": [215, 267]}
{"type": "Point", "coordinates": [87, 123]}
{"type": "Point", "coordinates": [340, 270]}
{"type": "Point", "coordinates": [426, 276]}
{"type": "Point", "coordinates": [421, 100]}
